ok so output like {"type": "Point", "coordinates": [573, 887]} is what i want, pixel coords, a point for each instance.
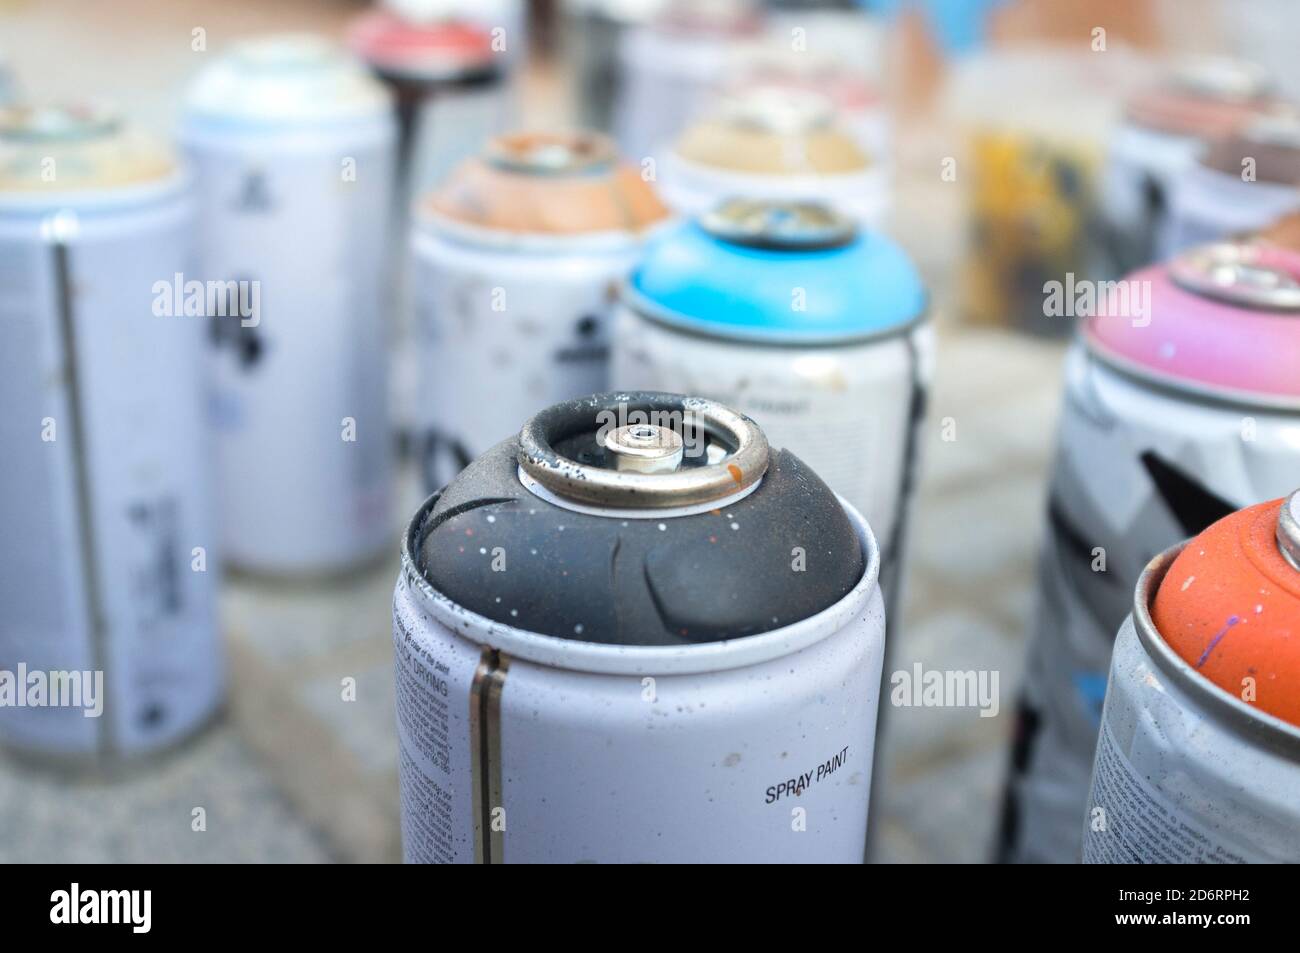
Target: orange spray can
{"type": "Point", "coordinates": [1198, 760]}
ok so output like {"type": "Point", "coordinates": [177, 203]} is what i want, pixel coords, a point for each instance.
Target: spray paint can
{"type": "Point", "coordinates": [518, 258]}
{"type": "Point", "coordinates": [449, 84]}
{"type": "Point", "coordinates": [1198, 759]}
{"type": "Point", "coordinates": [109, 559]}
{"type": "Point", "coordinates": [790, 313]}
{"type": "Point", "coordinates": [1181, 405]}
{"type": "Point", "coordinates": [606, 649]}
{"type": "Point", "coordinates": [292, 148]}
{"type": "Point", "coordinates": [1166, 129]}
{"type": "Point", "coordinates": [448, 81]}
{"type": "Point", "coordinates": [836, 74]}
{"type": "Point", "coordinates": [673, 65]}
{"type": "Point", "coordinates": [774, 142]}
{"type": "Point", "coordinates": [1241, 184]}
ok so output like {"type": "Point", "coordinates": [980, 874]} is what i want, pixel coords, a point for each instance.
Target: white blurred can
{"type": "Point", "coordinates": [777, 142]}
{"type": "Point", "coordinates": [592, 41]}
{"type": "Point", "coordinates": [1198, 759]}
{"type": "Point", "coordinates": [839, 53]}
{"type": "Point", "coordinates": [604, 652]}
{"type": "Point", "coordinates": [292, 148]}
{"type": "Point", "coordinates": [1166, 130]}
{"type": "Point", "coordinates": [1242, 183]}
{"type": "Point", "coordinates": [109, 563]}
{"type": "Point", "coordinates": [672, 65]}
{"type": "Point", "coordinates": [518, 258]}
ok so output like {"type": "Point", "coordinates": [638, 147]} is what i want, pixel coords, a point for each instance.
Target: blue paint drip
{"type": "Point", "coordinates": [1215, 641]}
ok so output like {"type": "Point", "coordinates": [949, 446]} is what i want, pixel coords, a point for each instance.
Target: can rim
{"type": "Point", "coordinates": [1202, 271]}
{"type": "Point", "coordinates": [683, 487]}
{"type": "Point", "coordinates": [1224, 79]}
{"type": "Point", "coordinates": [779, 224]}
{"type": "Point", "coordinates": [866, 184]}
{"type": "Point", "coordinates": [602, 659]}
{"type": "Point", "coordinates": [93, 199]}
{"type": "Point", "coordinates": [429, 226]}
{"type": "Point", "coordinates": [1257, 726]}
{"type": "Point", "coordinates": [58, 123]}
{"type": "Point", "coordinates": [1148, 376]}
{"type": "Point", "coordinates": [549, 154]}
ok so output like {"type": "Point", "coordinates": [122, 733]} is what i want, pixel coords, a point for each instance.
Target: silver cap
{"type": "Point", "coordinates": [779, 225]}
{"type": "Point", "coordinates": [713, 452]}
{"type": "Point", "coordinates": [1233, 272]}
{"type": "Point", "coordinates": [1288, 530]}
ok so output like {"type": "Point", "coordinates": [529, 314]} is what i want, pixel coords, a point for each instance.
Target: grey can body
{"type": "Point", "coordinates": [602, 682]}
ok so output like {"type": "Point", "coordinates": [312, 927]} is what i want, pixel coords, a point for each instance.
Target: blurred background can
{"type": "Point", "coordinates": [839, 56]}
{"type": "Point", "coordinates": [790, 313]}
{"type": "Point", "coordinates": [671, 66]}
{"type": "Point", "coordinates": [1181, 404]}
{"type": "Point", "coordinates": [1241, 184]}
{"type": "Point", "coordinates": [593, 32]}
{"type": "Point", "coordinates": [448, 72]}
{"type": "Point", "coordinates": [1031, 175]}
{"type": "Point", "coordinates": [1166, 128]}
{"type": "Point", "coordinates": [778, 142]}
{"type": "Point", "coordinates": [518, 258]}
{"type": "Point", "coordinates": [637, 633]}
{"type": "Point", "coordinates": [110, 565]}
{"type": "Point", "coordinates": [1198, 760]}
{"type": "Point", "coordinates": [8, 85]}
{"type": "Point", "coordinates": [292, 148]}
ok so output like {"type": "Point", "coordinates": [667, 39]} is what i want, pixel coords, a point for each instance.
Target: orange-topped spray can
{"type": "Point", "coordinates": [1198, 760]}
{"type": "Point", "coordinates": [518, 257]}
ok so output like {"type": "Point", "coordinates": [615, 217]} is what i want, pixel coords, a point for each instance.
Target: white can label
{"type": "Point", "coordinates": [502, 335]}
{"type": "Point", "coordinates": [1132, 822]}
{"type": "Point", "coordinates": [434, 678]}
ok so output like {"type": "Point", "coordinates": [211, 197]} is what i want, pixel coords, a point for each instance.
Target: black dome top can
{"type": "Point", "coordinates": [636, 632]}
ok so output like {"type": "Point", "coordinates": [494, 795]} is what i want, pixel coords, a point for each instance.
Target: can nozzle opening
{"type": "Point", "coordinates": [645, 448]}
{"type": "Point", "coordinates": [642, 450]}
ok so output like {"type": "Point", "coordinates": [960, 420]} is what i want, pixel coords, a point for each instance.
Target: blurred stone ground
{"type": "Point", "coordinates": [294, 772]}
